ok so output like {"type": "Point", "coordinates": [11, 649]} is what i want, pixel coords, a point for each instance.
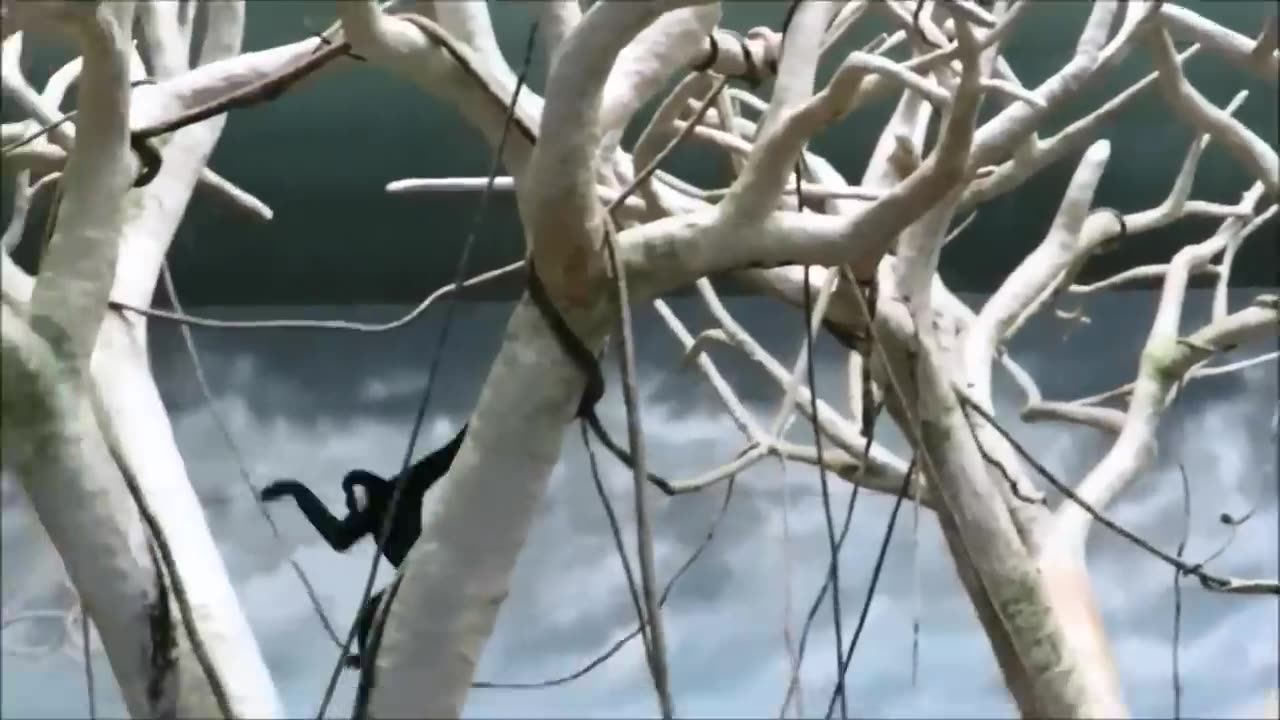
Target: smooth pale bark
{"type": "Point", "coordinates": [462, 563]}
{"type": "Point", "coordinates": [1064, 574]}
{"type": "Point", "coordinates": [995, 550]}
{"type": "Point", "coordinates": [895, 332]}
{"type": "Point", "coordinates": [52, 442]}
{"type": "Point", "coordinates": [51, 435]}
{"type": "Point", "coordinates": [130, 233]}
{"type": "Point", "coordinates": [133, 406]}
{"type": "Point", "coordinates": [1035, 602]}
{"type": "Point", "coordinates": [1061, 685]}
{"type": "Point", "coordinates": [472, 534]}
{"type": "Point", "coordinates": [131, 403]}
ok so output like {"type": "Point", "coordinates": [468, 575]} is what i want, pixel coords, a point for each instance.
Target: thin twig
{"type": "Point", "coordinates": [833, 568]}
{"type": "Point", "coordinates": [793, 686]}
{"type": "Point", "coordinates": [876, 572]}
{"type": "Point", "coordinates": [870, 411]}
{"type": "Point", "coordinates": [347, 325]}
{"type": "Point", "coordinates": [1207, 580]}
{"type": "Point", "coordinates": [89, 683]}
{"type": "Point", "coordinates": [1177, 595]}
{"type": "Point", "coordinates": [259, 92]}
{"type": "Point", "coordinates": [915, 590]}
{"type": "Point", "coordinates": [651, 617]}
{"type": "Point", "coordinates": [616, 530]}
{"type": "Point", "coordinates": [206, 391]}
{"type": "Point", "coordinates": [635, 437]}
{"type": "Point", "coordinates": [368, 665]}
{"type": "Point", "coordinates": [1203, 371]}
{"type": "Point", "coordinates": [793, 649]}
{"type": "Point", "coordinates": [640, 628]}
{"type": "Point", "coordinates": [685, 132]}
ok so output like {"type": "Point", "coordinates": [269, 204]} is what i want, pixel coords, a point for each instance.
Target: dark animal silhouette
{"type": "Point", "coordinates": [369, 519]}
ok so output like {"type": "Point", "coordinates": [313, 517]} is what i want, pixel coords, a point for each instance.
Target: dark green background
{"type": "Point", "coordinates": [321, 156]}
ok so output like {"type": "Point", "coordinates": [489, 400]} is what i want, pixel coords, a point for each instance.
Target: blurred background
{"type": "Point", "coordinates": [312, 405]}
{"type": "Point", "coordinates": [322, 154]}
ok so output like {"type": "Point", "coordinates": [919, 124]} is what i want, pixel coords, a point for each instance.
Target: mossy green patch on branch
{"type": "Point", "coordinates": [1158, 359]}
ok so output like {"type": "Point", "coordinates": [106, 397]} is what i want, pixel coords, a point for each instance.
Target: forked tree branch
{"type": "Point", "coordinates": [567, 159]}
{"type": "Point", "coordinates": [1165, 359]}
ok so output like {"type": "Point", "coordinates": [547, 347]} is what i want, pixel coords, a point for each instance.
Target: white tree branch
{"type": "Point", "coordinates": [1229, 256]}
{"type": "Point", "coordinates": [53, 444]}
{"type": "Point", "coordinates": [70, 296]}
{"type": "Point", "coordinates": [1249, 150]}
{"type": "Point", "coordinates": [562, 213]}
{"type": "Point", "coordinates": [1037, 408]}
{"type": "Point", "coordinates": [1066, 684]}
{"type": "Point", "coordinates": [472, 25]}
{"type": "Point", "coordinates": [1039, 154]}
{"type": "Point", "coordinates": [221, 74]}
{"type": "Point", "coordinates": [1164, 364]}
{"type": "Point", "coordinates": [1108, 228]}
{"type": "Point", "coordinates": [168, 52]}
{"type": "Point", "coordinates": [1035, 273]}
{"type": "Point", "coordinates": [737, 411]}
{"type": "Point", "coordinates": [881, 475]}
{"type": "Point", "coordinates": [1165, 359]}
{"type": "Point", "coordinates": [671, 42]}
{"type": "Point", "coordinates": [423, 51]}
{"type": "Point", "coordinates": [559, 18]}
{"type": "Point", "coordinates": [1255, 57]}
{"type": "Point", "coordinates": [842, 433]}
{"type": "Point", "coordinates": [151, 104]}
{"type": "Point", "coordinates": [24, 193]}
{"type": "Point", "coordinates": [998, 136]}
{"type": "Point", "coordinates": [783, 130]}
{"type": "Point", "coordinates": [1194, 374]}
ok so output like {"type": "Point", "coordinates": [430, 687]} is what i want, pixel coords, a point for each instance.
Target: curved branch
{"type": "Point", "coordinates": [560, 209]}
{"type": "Point", "coordinates": [742, 417]}
{"type": "Point", "coordinates": [1043, 153]}
{"type": "Point", "coordinates": [674, 251]}
{"type": "Point", "coordinates": [77, 269]}
{"type": "Point", "coordinates": [1113, 228]}
{"type": "Point", "coordinates": [782, 133]}
{"type": "Point", "coordinates": [559, 18]}
{"type": "Point", "coordinates": [23, 196]}
{"type": "Point", "coordinates": [1249, 150]}
{"type": "Point", "coordinates": [1035, 407]}
{"type": "Point", "coordinates": [1165, 359]}
{"type": "Point", "coordinates": [56, 450]}
{"type": "Point", "coordinates": [668, 44]}
{"type": "Point", "coordinates": [426, 53]}
{"type": "Point", "coordinates": [1035, 273]}
{"type": "Point", "coordinates": [881, 474]}
{"type": "Point", "coordinates": [1242, 51]}
{"type": "Point", "coordinates": [995, 139]}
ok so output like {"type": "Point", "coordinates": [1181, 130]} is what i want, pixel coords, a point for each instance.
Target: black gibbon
{"type": "Point", "coordinates": [370, 517]}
